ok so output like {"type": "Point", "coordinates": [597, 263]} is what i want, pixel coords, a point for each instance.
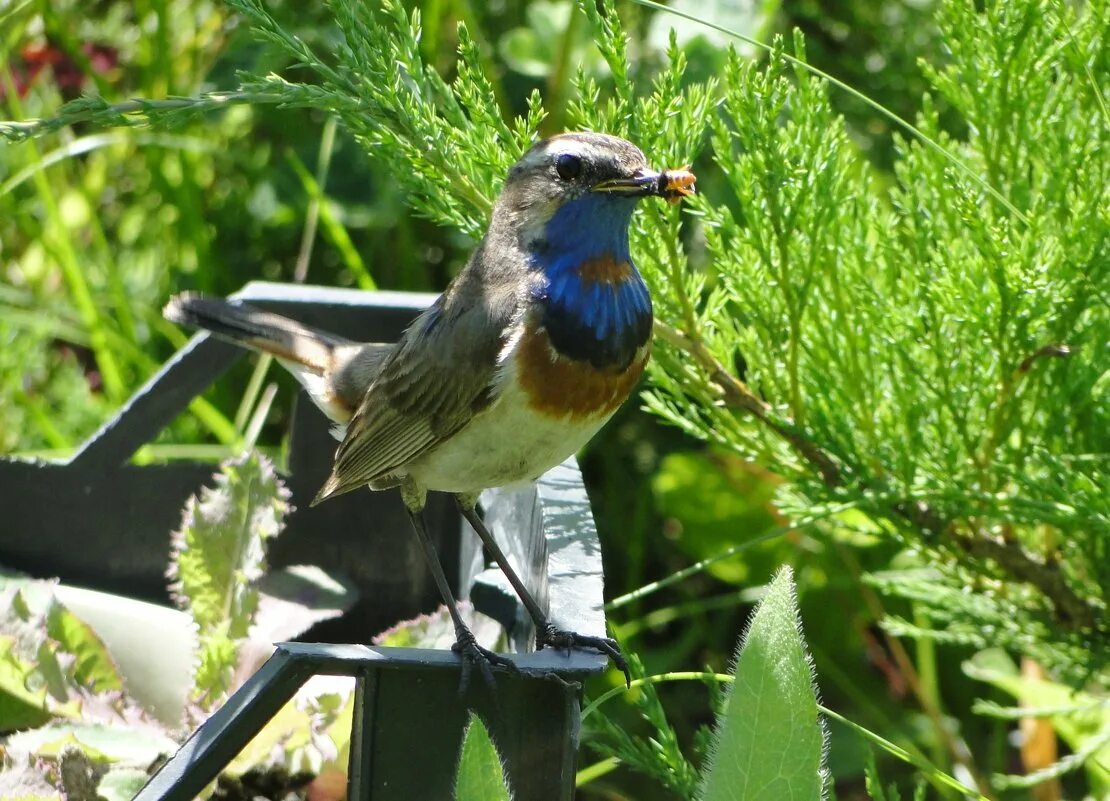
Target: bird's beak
{"type": "Point", "coordinates": [670, 184]}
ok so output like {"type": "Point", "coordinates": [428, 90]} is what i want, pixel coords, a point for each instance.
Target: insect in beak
{"type": "Point", "coordinates": [673, 185]}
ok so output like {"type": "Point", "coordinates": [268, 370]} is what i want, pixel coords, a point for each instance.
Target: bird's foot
{"type": "Point", "coordinates": [474, 655]}
{"type": "Point", "coordinates": [565, 640]}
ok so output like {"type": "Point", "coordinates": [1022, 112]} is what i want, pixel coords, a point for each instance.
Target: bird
{"type": "Point", "coordinates": [531, 348]}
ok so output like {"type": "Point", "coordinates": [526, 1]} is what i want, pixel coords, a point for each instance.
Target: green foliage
{"type": "Point", "coordinates": [923, 346]}
{"type": "Point", "coordinates": [1081, 719]}
{"type": "Point", "coordinates": [60, 682]}
{"type": "Point", "coordinates": [134, 745]}
{"type": "Point", "coordinates": [49, 660]}
{"type": "Point", "coordinates": [92, 666]}
{"type": "Point", "coordinates": [122, 784]}
{"type": "Point", "coordinates": [658, 756]}
{"type": "Point", "coordinates": [875, 786]}
{"type": "Point", "coordinates": [311, 734]}
{"type": "Point", "coordinates": [217, 558]}
{"type": "Point", "coordinates": [401, 109]}
{"type": "Point", "coordinates": [480, 775]}
{"type": "Point", "coordinates": [716, 501]}
{"type": "Point", "coordinates": [921, 353]}
{"type": "Point", "coordinates": [769, 742]}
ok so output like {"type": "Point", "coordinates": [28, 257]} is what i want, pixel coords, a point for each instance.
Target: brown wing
{"type": "Point", "coordinates": [439, 375]}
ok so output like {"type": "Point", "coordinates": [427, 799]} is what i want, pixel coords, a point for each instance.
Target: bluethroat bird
{"type": "Point", "coordinates": [532, 347]}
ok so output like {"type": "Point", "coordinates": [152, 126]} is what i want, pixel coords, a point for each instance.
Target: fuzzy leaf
{"type": "Point", "coordinates": [22, 702]}
{"type": "Point", "coordinates": [121, 784]}
{"type": "Point", "coordinates": [481, 776]}
{"type": "Point", "coordinates": [769, 744]}
{"type": "Point", "coordinates": [218, 557]}
{"type": "Point", "coordinates": [435, 630]}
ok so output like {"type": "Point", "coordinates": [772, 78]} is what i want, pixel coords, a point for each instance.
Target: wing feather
{"type": "Point", "coordinates": [439, 375]}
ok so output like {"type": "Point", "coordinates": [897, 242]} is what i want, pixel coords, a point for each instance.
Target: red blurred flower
{"type": "Point", "coordinates": [68, 74]}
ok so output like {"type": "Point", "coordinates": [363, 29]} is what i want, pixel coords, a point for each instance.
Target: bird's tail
{"type": "Point", "coordinates": [293, 343]}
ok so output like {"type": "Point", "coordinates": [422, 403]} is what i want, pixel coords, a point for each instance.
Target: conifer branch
{"type": "Point", "coordinates": [1071, 610]}
{"type": "Point", "coordinates": [131, 112]}
{"type": "Point", "coordinates": [737, 395]}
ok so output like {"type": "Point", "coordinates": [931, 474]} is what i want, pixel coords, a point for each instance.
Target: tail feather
{"type": "Point", "coordinates": [254, 328]}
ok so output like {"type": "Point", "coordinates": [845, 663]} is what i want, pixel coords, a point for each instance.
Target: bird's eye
{"type": "Point", "coordinates": [568, 166]}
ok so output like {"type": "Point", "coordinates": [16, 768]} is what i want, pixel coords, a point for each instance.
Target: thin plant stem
{"type": "Point", "coordinates": [596, 771]}
{"type": "Point", "coordinates": [132, 111]}
{"type": "Point", "coordinates": [931, 772]}
{"type": "Point", "coordinates": [559, 79]}
{"type": "Point", "coordinates": [312, 214]}
{"type": "Point", "coordinates": [698, 567]}
{"type": "Point", "coordinates": [254, 387]}
{"type": "Point", "coordinates": [333, 227]}
{"type": "Point", "coordinates": [924, 691]}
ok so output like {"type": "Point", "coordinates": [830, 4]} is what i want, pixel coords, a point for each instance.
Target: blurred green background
{"type": "Point", "coordinates": [99, 227]}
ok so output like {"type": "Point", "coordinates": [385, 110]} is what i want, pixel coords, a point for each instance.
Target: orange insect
{"type": "Point", "coordinates": [678, 184]}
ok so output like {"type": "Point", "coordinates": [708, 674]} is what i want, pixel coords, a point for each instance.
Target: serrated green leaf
{"type": "Point", "coordinates": [46, 657]}
{"type": "Point", "coordinates": [480, 776]}
{"type": "Point", "coordinates": [217, 557]}
{"type": "Point", "coordinates": [770, 744]}
{"type": "Point", "coordinates": [94, 667]}
{"type": "Point", "coordinates": [217, 655]}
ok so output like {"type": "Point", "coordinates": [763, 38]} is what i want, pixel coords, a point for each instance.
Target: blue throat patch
{"type": "Point", "coordinates": [600, 320]}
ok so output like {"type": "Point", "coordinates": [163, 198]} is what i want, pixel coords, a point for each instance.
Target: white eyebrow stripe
{"type": "Point", "coordinates": [553, 148]}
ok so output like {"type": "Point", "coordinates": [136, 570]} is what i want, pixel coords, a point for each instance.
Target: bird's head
{"type": "Point", "coordinates": [567, 205]}
{"type": "Point", "coordinates": [574, 188]}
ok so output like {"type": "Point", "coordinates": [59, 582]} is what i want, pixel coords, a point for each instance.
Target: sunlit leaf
{"type": "Point", "coordinates": [94, 667]}
{"type": "Point", "coordinates": [128, 744]}
{"type": "Point", "coordinates": [769, 745]}
{"type": "Point", "coordinates": [480, 775]}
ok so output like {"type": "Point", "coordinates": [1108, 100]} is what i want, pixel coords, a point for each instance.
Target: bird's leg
{"type": "Point", "coordinates": [466, 646]}
{"type": "Point", "coordinates": [546, 631]}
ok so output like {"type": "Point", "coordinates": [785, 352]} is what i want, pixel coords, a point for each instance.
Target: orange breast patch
{"type": "Point", "coordinates": [604, 270]}
{"type": "Point", "coordinates": [560, 387]}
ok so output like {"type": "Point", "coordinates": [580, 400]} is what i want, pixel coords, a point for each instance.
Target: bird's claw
{"type": "Point", "coordinates": [565, 640]}
{"type": "Point", "coordinates": [471, 654]}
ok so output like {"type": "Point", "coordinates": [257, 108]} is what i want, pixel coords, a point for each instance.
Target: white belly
{"type": "Point", "coordinates": [507, 443]}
